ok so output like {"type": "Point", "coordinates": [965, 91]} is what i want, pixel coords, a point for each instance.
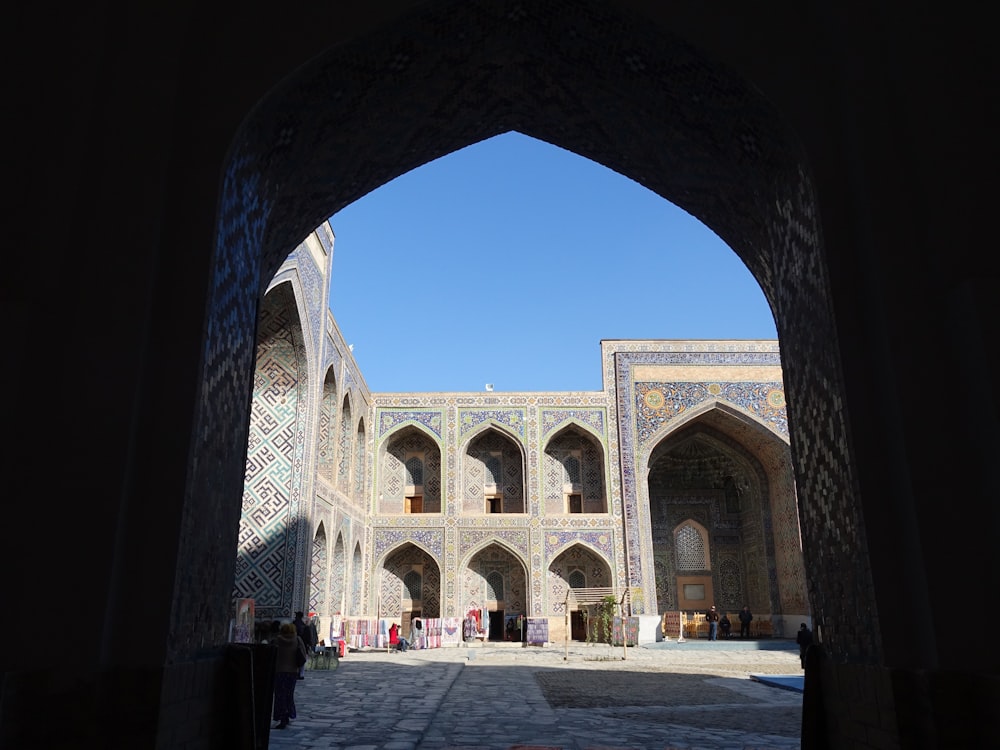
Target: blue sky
{"type": "Point", "coordinates": [508, 262]}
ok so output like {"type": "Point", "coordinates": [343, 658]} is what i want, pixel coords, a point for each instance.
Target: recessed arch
{"type": "Point", "coordinates": [345, 453]}
{"type": "Point", "coordinates": [319, 572]}
{"type": "Point", "coordinates": [574, 561]}
{"type": "Point", "coordinates": [360, 461]}
{"type": "Point", "coordinates": [728, 474]}
{"type": "Point", "coordinates": [574, 471]}
{"type": "Point", "coordinates": [404, 452]}
{"type": "Point", "coordinates": [274, 537]}
{"type": "Point", "coordinates": [327, 429]}
{"type": "Point", "coordinates": [493, 472]}
{"type": "Point", "coordinates": [493, 582]}
{"type": "Point", "coordinates": [409, 583]}
{"type": "Point", "coordinates": [338, 577]}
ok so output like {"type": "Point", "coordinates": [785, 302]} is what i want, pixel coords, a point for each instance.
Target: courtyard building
{"type": "Point", "coordinates": [671, 488]}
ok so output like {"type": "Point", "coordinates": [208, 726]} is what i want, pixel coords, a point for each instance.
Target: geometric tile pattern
{"type": "Point", "coordinates": [344, 447]}
{"type": "Point", "coordinates": [429, 539]}
{"type": "Point", "coordinates": [395, 596]}
{"type": "Point", "coordinates": [360, 460]}
{"type": "Point", "coordinates": [269, 525]}
{"type": "Point", "coordinates": [581, 561]}
{"type": "Point", "coordinates": [577, 450]}
{"type": "Point", "coordinates": [392, 479]}
{"type": "Point", "coordinates": [492, 458]}
{"type": "Point", "coordinates": [338, 578]}
{"type": "Point", "coordinates": [691, 549]}
{"type": "Point", "coordinates": [765, 401]}
{"type": "Point", "coordinates": [493, 577]}
{"type": "Point", "coordinates": [470, 419]}
{"type": "Point", "coordinates": [646, 409]}
{"type": "Point", "coordinates": [553, 418]}
{"type": "Point", "coordinates": [390, 419]}
{"type": "Point", "coordinates": [318, 573]}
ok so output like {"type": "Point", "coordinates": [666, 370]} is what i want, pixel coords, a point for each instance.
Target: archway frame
{"type": "Point", "coordinates": [558, 80]}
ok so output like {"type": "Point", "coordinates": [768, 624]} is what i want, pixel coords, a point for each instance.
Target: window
{"type": "Point", "coordinates": [494, 504]}
{"type": "Point", "coordinates": [574, 503]}
{"type": "Point", "coordinates": [414, 470]}
{"type": "Point", "coordinates": [412, 583]}
{"type": "Point", "coordinates": [494, 586]}
{"type": "Point", "coordinates": [690, 547]}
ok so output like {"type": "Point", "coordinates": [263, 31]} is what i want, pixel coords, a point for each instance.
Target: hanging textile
{"type": "Point", "coordinates": [451, 631]}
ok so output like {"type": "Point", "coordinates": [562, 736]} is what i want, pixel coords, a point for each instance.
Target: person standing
{"type": "Point", "coordinates": [713, 623]}
{"type": "Point", "coordinates": [302, 630]}
{"type": "Point", "coordinates": [291, 654]}
{"type": "Point", "coordinates": [804, 638]}
{"type": "Point", "coordinates": [745, 619]}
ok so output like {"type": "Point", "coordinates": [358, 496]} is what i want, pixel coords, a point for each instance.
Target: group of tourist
{"type": "Point", "coordinates": [717, 622]}
{"type": "Point", "coordinates": [803, 638]}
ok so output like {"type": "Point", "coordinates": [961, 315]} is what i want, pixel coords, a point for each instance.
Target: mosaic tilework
{"type": "Point", "coordinates": [491, 570]}
{"type": "Point", "coordinates": [430, 539]}
{"type": "Point", "coordinates": [357, 581]}
{"type": "Point", "coordinates": [552, 419]}
{"type": "Point", "coordinates": [392, 479]}
{"type": "Point", "coordinates": [393, 596]}
{"type": "Point", "coordinates": [492, 458]}
{"type": "Point", "coordinates": [271, 522]}
{"type": "Point", "coordinates": [314, 290]}
{"type": "Point", "coordinates": [470, 419]}
{"type": "Point", "coordinates": [326, 439]}
{"type": "Point", "coordinates": [621, 358]}
{"type": "Point", "coordinates": [657, 403]}
{"type": "Point", "coordinates": [577, 558]}
{"type": "Point", "coordinates": [471, 539]}
{"type": "Point", "coordinates": [555, 541]}
{"type": "Point", "coordinates": [389, 420]}
{"type": "Point", "coordinates": [338, 577]}
{"type": "Point", "coordinates": [579, 452]}
{"type": "Point", "coordinates": [318, 573]}
{"type": "Point", "coordinates": [360, 460]}
{"type": "Point", "coordinates": [344, 448]}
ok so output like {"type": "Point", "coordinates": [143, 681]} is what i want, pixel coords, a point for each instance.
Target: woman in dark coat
{"type": "Point", "coordinates": [286, 673]}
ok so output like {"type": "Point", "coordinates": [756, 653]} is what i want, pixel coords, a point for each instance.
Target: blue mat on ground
{"type": "Point", "coordinates": [691, 644]}
{"type": "Point", "coordinates": [787, 681]}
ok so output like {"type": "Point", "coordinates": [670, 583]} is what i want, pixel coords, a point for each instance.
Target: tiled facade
{"type": "Point", "coordinates": [374, 504]}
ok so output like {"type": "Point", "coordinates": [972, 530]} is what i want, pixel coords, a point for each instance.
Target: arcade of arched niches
{"type": "Point", "coordinates": [673, 483]}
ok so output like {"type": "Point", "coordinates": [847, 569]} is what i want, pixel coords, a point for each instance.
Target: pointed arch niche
{"type": "Point", "coordinates": [409, 585]}
{"type": "Point", "coordinates": [271, 537]}
{"type": "Point", "coordinates": [357, 583]}
{"type": "Point", "coordinates": [493, 474]}
{"type": "Point", "coordinates": [360, 459]}
{"type": "Point", "coordinates": [573, 472]}
{"type": "Point", "coordinates": [338, 578]}
{"type": "Point", "coordinates": [725, 480]}
{"type": "Point", "coordinates": [344, 448]}
{"type": "Point", "coordinates": [318, 575]}
{"type": "Point", "coordinates": [494, 581]}
{"type": "Point", "coordinates": [409, 479]}
{"type": "Point", "coordinates": [578, 567]}
{"type": "Point", "coordinates": [327, 438]}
